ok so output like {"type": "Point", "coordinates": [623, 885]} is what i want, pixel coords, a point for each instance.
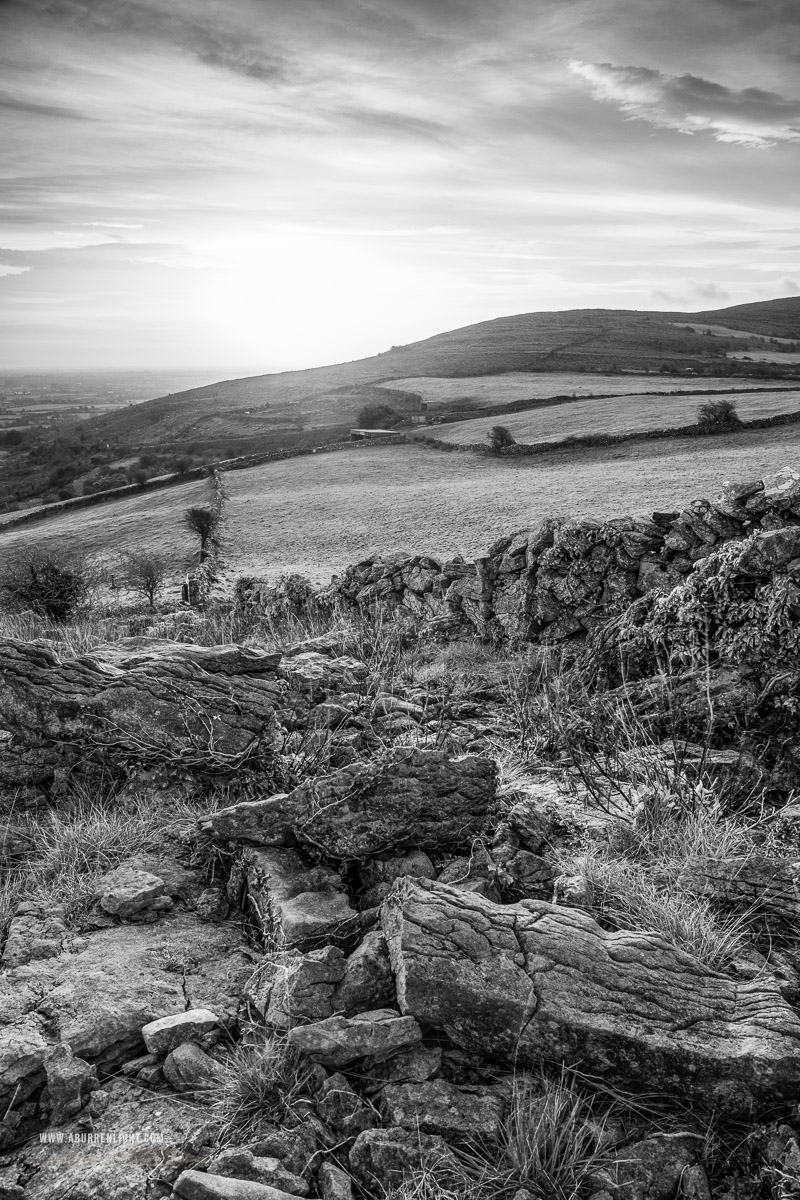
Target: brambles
{"type": "Point", "coordinates": [50, 583]}
{"type": "Point", "coordinates": [500, 439]}
{"type": "Point", "coordinates": [718, 414]}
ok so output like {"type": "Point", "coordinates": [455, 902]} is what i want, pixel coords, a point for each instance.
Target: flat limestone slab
{"type": "Point", "coordinates": [533, 982]}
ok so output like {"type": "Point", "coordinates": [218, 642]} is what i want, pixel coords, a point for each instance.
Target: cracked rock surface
{"type": "Point", "coordinates": [532, 981]}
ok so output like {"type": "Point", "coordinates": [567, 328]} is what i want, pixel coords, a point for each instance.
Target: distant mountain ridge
{"type": "Point", "coordinates": [329, 397]}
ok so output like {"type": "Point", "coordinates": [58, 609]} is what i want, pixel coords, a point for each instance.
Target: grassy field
{"type": "Point", "coordinates": [318, 514]}
{"type": "Point", "coordinates": [619, 414]}
{"type": "Point", "coordinates": [523, 385]}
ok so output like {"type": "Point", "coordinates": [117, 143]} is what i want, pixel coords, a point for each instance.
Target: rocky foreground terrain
{"type": "Point", "coordinates": [395, 911]}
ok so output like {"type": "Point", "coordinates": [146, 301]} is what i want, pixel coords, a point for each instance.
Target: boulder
{"type": "Point", "coordinates": [339, 1041]}
{"type": "Point", "coordinates": [197, 1185]}
{"type": "Point", "coordinates": [343, 1110]}
{"type": "Point", "coordinates": [405, 796]}
{"type": "Point", "coordinates": [294, 903]}
{"type": "Point", "coordinates": [70, 1081]}
{"type": "Point", "coordinates": [379, 874]}
{"type": "Point", "coordinates": [125, 891]}
{"type": "Point", "coordinates": [334, 1183]}
{"type": "Point", "coordinates": [755, 883]}
{"type": "Point", "coordinates": [533, 981]}
{"type": "Point", "coordinates": [290, 988]}
{"type": "Point", "coordinates": [414, 1065]}
{"type": "Point", "coordinates": [163, 704]}
{"type": "Point", "coordinates": [384, 1158]}
{"type": "Point", "coordinates": [367, 982]}
{"type": "Point", "coordinates": [165, 1034]}
{"type": "Point", "coordinates": [768, 552]}
{"type": "Point", "coordinates": [441, 1107]}
{"type": "Point", "coordinates": [243, 1164]}
{"type": "Point", "coordinates": [188, 1068]}
{"type": "Point", "coordinates": [651, 1169]}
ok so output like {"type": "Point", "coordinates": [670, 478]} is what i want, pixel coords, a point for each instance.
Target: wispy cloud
{"type": "Point", "coordinates": [19, 105]}
{"type": "Point", "coordinates": [689, 104]}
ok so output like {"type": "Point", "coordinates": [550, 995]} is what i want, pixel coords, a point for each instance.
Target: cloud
{"type": "Point", "coordinates": [690, 104]}
{"type": "Point", "coordinates": [386, 123]}
{"type": "Point", "coordinates": [234, 49]}
{"type": "Point", "coordinates": [59, 112]}
{"type": "Point", "coordinates": [710, 291]}
{"type": "Point", "coordinates": [5, 269]}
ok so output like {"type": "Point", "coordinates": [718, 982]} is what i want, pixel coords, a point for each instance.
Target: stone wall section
{"type": "Point", "coordinates": [566, 577]}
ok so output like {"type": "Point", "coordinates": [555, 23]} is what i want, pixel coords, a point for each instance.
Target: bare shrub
{"type": "Point", "coordinates": [145, 572]}
{"type": "Point", "coordinates": [50, 583]}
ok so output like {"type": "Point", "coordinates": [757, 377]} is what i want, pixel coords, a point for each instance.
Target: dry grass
{"type": "Point", "coordinates": [264, 1082]}
{"type": "Point", "coordinates": [319, 513]}
{"type": "Point", "coordinates": [86, 836]}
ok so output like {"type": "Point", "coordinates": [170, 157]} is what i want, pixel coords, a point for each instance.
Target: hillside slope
{"type": "Point", "coordinates": [319, 513]}
{"type": "Point", "coordinates": [581, 339]}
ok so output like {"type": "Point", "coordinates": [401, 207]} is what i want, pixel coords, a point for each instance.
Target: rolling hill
{"type": "Point", "coordinates": [329, 398]}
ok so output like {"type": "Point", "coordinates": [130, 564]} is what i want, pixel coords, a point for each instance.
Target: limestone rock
{"type": "Point", "coordinates": [343, 1110]}
{"type": "Point", "coordinates": [756, 882]}
{"type": "Point", "coordinates": [334, 1183]}
{"type": "Point", "coordinates": [294, 903]}
{"type": "Point", "coordinates": [165, 1034]}
{"type": "Point", "coordinates": [125, 891]}
{"type": "Point", "coordinates": [535, 981]}
{"type": "Point", "coordinates": [651, 1169]}
{"type": "Point", "coordinates": [382, 1158]}
{"type": "Point", "coordinates": [441, 1107]}
{"type": "Point", "coordinates": [404, 796]}
{"type": "Point", "coordinates": [341, 1040]}
{"type": "Point", "coordinates": [160, 706]}
{"type": "Point", "coordinates": [197, 1185]}
{"type": "Point", "coordinates": [414, 1065]}
{"type": "Point", "coordinates": [188, 1068]}
{"type": "Point", "coordinates": [212, 905]}
{"type": "Point", "coordinates": [32, 935]}
{"type": "Point", "coordinates": [243, 1164]}
{"type": "Point", "coordinates": [291, 988]}
{"type": "Point", "coordinates": [368, 982]}
{"type": "Point", "coordinates": [772, 551]}
{"type": "Point", "coordinates": [108, 1167]}
{"type": "Point", "coordinates": [99, 998]}
{"type": "Point", "coordinates": [70, 1081]}
{"type": "Point", "coordinates": [379, 874]}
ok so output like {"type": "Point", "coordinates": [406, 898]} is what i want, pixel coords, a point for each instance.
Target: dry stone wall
{"type": "Point", "coordinates": [565, 578]}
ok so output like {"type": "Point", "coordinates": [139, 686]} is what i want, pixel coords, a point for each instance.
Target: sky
{"type": "Point", "coordinates": [261, 185]}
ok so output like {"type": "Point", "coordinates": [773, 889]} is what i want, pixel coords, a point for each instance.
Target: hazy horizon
{"type": "Point", "coordinates": [275, 185]}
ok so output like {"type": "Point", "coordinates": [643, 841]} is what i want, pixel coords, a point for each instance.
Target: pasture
{"type": "Point", "coordinates": [319, 513]}
{"type": "Point", "coordinates": [618, 414]}
{"type": "Point", "coordinates": [525, 385]}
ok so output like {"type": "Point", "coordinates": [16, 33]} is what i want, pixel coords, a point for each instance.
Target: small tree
{"type": "Point", "coordinates": [50, 583]}
{"type": "Point", "coordinates": [145, 572]}
{"type": "Point", "coordinates": [378, 416]}
{"type": "Point", "coordinates": [501, 439]}
{"type": "Point", "coordinates": [718, 414]}
{"type": "Point", "coordinates": [203, 520]}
